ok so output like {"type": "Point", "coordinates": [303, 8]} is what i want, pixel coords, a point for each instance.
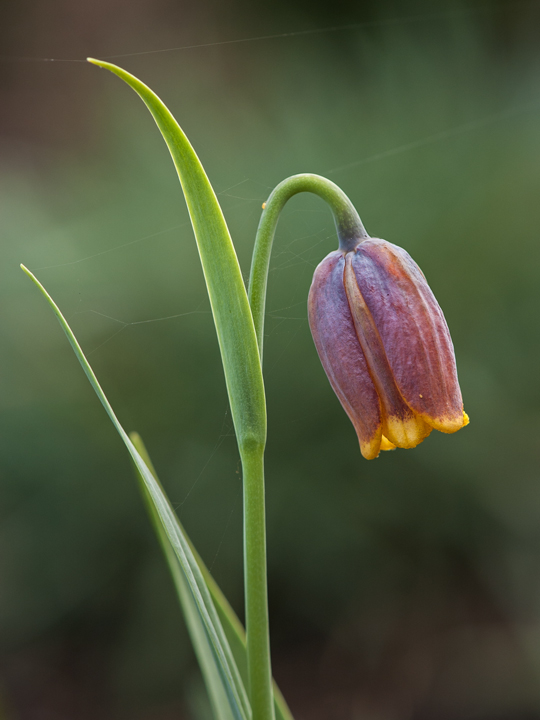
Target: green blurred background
{"type": "Point", "coordinates": [407, 588]}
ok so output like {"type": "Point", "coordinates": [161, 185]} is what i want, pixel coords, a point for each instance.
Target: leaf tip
{"type": "Point", "coordinates": [100, 63]}
{"type": "Point", "coordinates": [34, 279]}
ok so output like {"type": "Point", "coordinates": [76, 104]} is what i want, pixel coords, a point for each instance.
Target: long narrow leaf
{"type": "Point", "coordinates": [232, 682]}
{"type": "Point", "coordinates": [232, 626]}
{"type": "Point", "coordinates": [228, 297]}
{"type": "Point", "coordinates": [199, 637]}
{"type": "Point", "coordinates": [243, 374]}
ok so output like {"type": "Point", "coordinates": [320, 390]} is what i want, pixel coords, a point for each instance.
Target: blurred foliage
{"type": "Point", "coordinates": [402, 588]}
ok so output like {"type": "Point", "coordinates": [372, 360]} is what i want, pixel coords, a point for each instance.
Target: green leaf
{"type": "Point", "coordinates": [232, 626]}
{"type": "Point", "coordinates": [228, 297]}
{"type": "Point", "coordinates": [234, 693]}
{"type": "Point", "coordinates": [243, 375]}
{"type": "Point", "coordinates": [199, 638]}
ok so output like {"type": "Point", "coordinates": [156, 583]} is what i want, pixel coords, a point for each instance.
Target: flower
{"type": "Point", "coordinates": [385, 346]}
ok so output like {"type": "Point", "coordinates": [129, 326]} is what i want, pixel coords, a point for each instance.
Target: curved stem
{"type": "Point", "coordinates": [348, 225]}
{"type": "Point", "coordinates": [350, 232]}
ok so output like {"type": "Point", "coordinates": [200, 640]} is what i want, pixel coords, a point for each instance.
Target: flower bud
{"type": "Point", "coordinates": [385, 346]}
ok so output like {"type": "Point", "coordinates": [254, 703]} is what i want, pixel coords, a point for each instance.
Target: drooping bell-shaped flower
{"type": "Point", "coordinates": [385, 345]}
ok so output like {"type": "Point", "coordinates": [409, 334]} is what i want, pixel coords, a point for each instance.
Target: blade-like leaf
{"type": "Point", "coordinates": [243, 375]}
{"type": "Point", "coordinates": [199, 637]}
{"type": "Point", "coordinates": [232, 626]}
{"type": "Point", "coordinates": [209, 621]}
{"type": "Point", "coordinates": [228, 297]}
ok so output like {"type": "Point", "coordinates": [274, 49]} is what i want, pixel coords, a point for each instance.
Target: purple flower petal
{"type": "Point", "coordinates": [340, 352]}
{"type": "Point", "coordinates": [413, 331]}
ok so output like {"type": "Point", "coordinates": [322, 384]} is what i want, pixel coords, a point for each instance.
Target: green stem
{"type": "Point", "coordinates": [348, 224]}
{"type": "Point", "coordinates": [350, 232]}
{"type": "Point", "coordinates": [256, 595]}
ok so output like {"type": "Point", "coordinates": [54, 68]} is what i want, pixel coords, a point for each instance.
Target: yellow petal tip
{"type": "Point", "coordinates": [371, 448]}
{"type": "Point", "coordinates": [406, 433]}
{"type": "Point", "coordinates": [386, 444]}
